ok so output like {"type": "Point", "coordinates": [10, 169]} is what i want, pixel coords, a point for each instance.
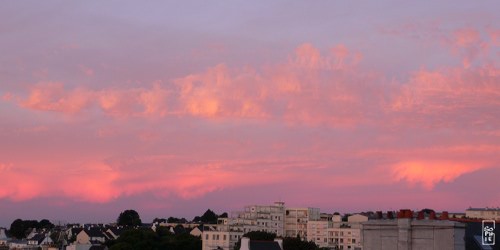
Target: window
{"type": "Point", "coordinates": [206, 236]}
{"type": "Point", "coordinates": [213, 236]}
{"type": "Point", "coordinates": [224, 237]}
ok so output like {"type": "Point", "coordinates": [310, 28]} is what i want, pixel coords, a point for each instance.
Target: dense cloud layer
{"type": "Point", "coordinates": [186, 118]}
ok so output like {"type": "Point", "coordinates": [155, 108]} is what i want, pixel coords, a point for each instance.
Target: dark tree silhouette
{"type": "Point", "coordinates": [209, 217]}
{"type": "Point", "coordinates": [129, 218]}
{"type": "Point", "coordinates": [17, 229]}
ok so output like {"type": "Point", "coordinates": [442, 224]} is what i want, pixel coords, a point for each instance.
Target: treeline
{"type": "Point", "coordinates": [147, 239]}
{"type": "Point", "coordinates": [20, 228]}
{"type": "Point", "coordinates": [289, 243]}
{"type": "Point", "coordinates": [209, 217]}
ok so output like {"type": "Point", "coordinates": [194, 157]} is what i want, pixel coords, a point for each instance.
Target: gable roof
{"type": "Point", "coordinates": [116, 230]}
{"type": "Point", "coordinates": [76, 230]}
{"type": "Point", "coordinates": [94, 232]}
{"type": "Point", "coordinates": [38, 238]}
{"type": "Point", "coordinates": [264, 245]}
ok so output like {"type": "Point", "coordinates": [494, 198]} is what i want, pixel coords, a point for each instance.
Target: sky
{"type": "Point", "coordinates": [171, 108]}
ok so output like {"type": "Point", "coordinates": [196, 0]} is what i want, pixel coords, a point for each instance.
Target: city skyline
{"type": "Point", "coordinates": [173, 108]}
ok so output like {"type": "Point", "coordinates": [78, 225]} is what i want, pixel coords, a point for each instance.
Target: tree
{"type": "Point", "coordinates": [209, 217]}
{"type": "Point", "coordinates": [176, 220]}
{"type": "Point", "coordinates": [17, 229]}
{"type": "Point", "coordinates": [290, 243]}
{"type": "Point", "coordinates": [45, 224]}
{"type": "Point", "coordinates": [256, 235]}
{"type": "Point", "coordinates": [158, 220]}
{"type": "Point", "coordinates": [129, 218]}
{"type": "Point", "coordinates": [146, 239]}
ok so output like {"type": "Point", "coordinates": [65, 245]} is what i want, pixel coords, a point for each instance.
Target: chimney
{"type": "Point", "coordinates": [400, 214]}
{"type": "Point", "coordinates": [432, 216]}
{"type": "Point", "coordinates": [444, 215]}
{"type": "Point", "coordinates": [405, 214]}
{"type": "Point", "coordinates": [245, 243]}
{"type": "Point", "coordinates": [421, 215]}
{"type": "Point", "coordinates": [408, 214]}
{"type": "Point", "coordinates": [390, 215]}
{"type": "Point", "coordinates": [280, 242]}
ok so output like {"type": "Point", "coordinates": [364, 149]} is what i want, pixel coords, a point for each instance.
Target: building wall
{"type": "Point", "coordinates": [83, 238]}
{"type": "Point", "coordinates": [324, 236]}
{"type": "Point", "coordinates": [483, 213]}
{"type": "Point", "coordinates": [296, 221]}
{"type": "Point", "coordinates": [223, 239]}
{"type": "Point", "coordinates": [406, 234]}
{"type": "Point", "coordinates": [269, 218]}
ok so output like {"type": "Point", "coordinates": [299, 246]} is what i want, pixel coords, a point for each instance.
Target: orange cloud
{"type": "Point", "coordinates": [51, 96]}
{"type": "Point", "coordinates": [18, 185]}
{"type": "Point", "coordinates": [451, 93]}
{"type": "Point", "coordinates": [308, 89]}
{"type": "Point", "coordinates": [430, 173]}
{"type": "Point", "coordinates": [468, 43]}
{"type": "Point", "coordinates": [93, 182]}
{"type": "Point", "coordinates": [86, 70]}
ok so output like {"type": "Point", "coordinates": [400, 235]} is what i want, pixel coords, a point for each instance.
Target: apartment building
{"type": "Point", "coordinates": [296, 221]}
{"type": "Point", "coordinates": [407, 232]}
{"type": "Point", "coordinates": [483, 213]}
{"type": "Point", "coordinates": [220, 240]}
{"type": "Point", "coordinates": [268, 218]}
{"type": "Point", "coordinates": [335, 233]}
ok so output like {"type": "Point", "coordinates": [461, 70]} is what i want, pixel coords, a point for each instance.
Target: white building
{"type": "Point", "coordinates": [336, 233]}
{"type": "Point", "coordinates": [268, 218]}
{"type": "Point", "coordinates": [3, 237]}
{"type": "Point", "coordinates": [224, 240]}
{"type": "Point", "coordinates": [407, 233]}
{"type": "Point", "coordinates": [296, 221]}
{"type": "Point", "coordinates": [483, 213]}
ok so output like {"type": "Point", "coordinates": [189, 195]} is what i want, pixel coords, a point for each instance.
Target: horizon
{"type": "Point", "coordinates": [55, 221]}
{"type": "Point", "coordinates": [171, 108]}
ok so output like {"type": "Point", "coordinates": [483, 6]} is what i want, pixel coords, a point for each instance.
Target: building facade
{"type": "Point", "coordinates": [337, 234]}
{"type": "Point", "coordinates": [296, 221]}
{"type": "Point", "coordinates": [268, 218]}
{"type": "Point", "coordinates": [408, 233]}
{"type": "Point", "coordinates": [483, 213]}
{"type": "Point", "coordinates": [220, 240]}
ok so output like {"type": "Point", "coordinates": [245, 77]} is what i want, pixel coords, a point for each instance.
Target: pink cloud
{"type": "Point", "coordinates": [7, 97]}
{"type": "Point", "coordinates": [494, 37]}
{"type": "Point", "coordinates": [51, 96]}
{"type": "Point", "coordinates": [310, 88]}
{"type": "Point", "coordinates": [469, 44]}
{"type": "Point", "coordinates": [430, 173]}
{"type": "Point", "coordinates": [17, 185]}
{"type": "Point", "coordinates": [86, 70]}
{"type": "Point", "coordinates": [450, 92]}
